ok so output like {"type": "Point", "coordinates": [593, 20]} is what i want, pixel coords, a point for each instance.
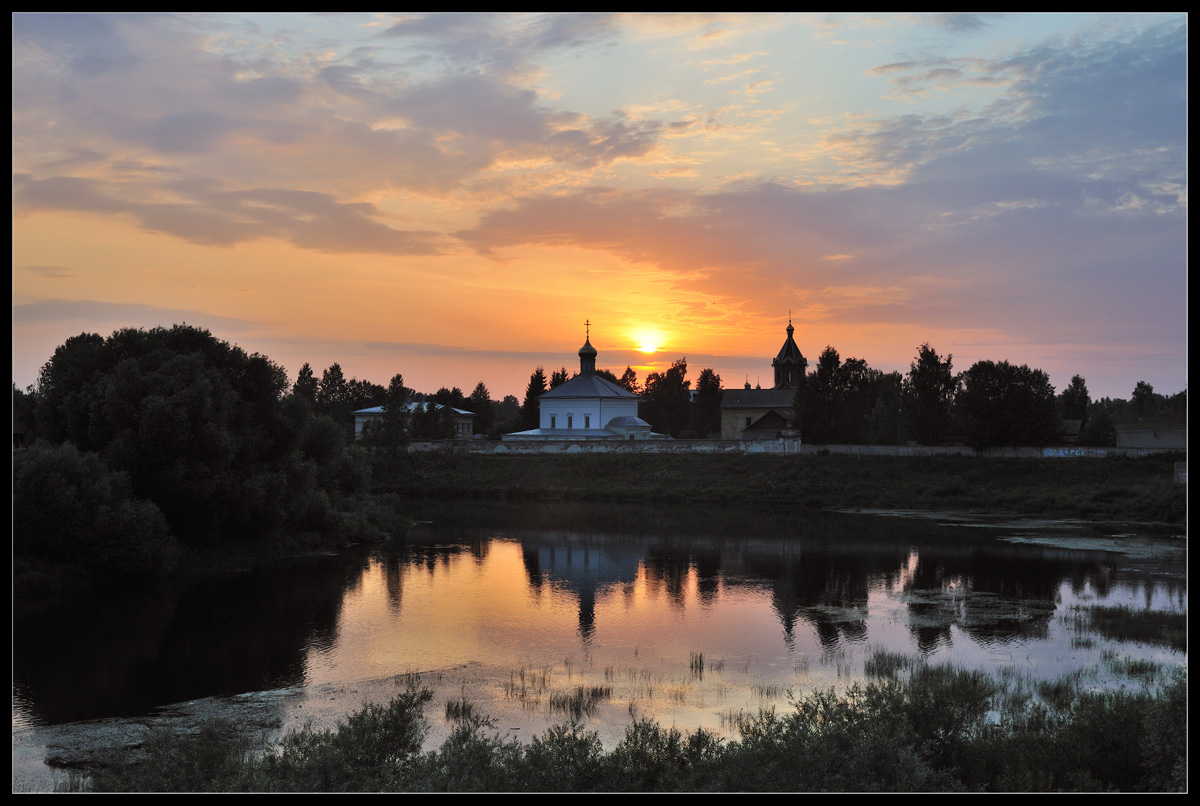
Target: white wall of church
{"type": "Point", "coordinates": [583, 412]}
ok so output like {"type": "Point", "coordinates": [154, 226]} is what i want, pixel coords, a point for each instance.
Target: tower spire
{"type": "Point", "coordinates": [587, 353]}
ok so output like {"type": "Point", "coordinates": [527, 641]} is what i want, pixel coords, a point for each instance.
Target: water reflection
{"type": "Point", "coordinates": [512, 584]}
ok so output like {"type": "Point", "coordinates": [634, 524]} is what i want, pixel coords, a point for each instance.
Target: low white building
{"type": "Point", "coordinates": [588, 407]}
{"type": "Point", "coordinates": [463, 420]}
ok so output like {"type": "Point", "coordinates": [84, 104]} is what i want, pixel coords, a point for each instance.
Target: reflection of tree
{"type": "Point", "coordinates": [222, 634]}
{"type": "Point", "coordinates": [991, 591]}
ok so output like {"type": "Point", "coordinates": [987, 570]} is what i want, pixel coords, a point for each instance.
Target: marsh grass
{"type": "Point", "coordinates": [462, 710]}
{"type": "Point", "coordinates": [768, 691]}
{"type": "Point", "coordinates": [579, 702]}
{"type": "Point", "coordinates": [1147, 670]}
{"type": "Point", "coordinates": [1123, 623]}
{"type": "Point", "coordinates": [887, 665]}
{"type": "Point", "coordinates": [936, 730]}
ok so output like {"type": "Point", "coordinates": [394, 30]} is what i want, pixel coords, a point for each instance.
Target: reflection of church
{"type": "Point", "coordinates": [581, 567]}
{"type": "Point", "coordinates": [766, 413]}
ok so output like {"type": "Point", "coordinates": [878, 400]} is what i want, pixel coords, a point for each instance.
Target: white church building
{"type": "Point", "coordinates": [587, 407]}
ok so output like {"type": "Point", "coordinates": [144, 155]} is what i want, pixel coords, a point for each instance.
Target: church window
{"type": "Point", "coordinates": [570, 421]}
{"type": "Point", "coordinates": [552, 425]}
{"type": "Point", "coordinates": [587, 421]}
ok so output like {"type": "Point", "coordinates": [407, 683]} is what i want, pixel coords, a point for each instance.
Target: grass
{"type": "Point", "coordinates": [886, 665]}
{"type": "Point", "coordinates": [1001, 486]}
{"type": "Point", "coordinates": [1123, 623]}
{"type": "Point", "coordinates": [579, 702]}
{"type": "Point", "coordinates": [940, 729]}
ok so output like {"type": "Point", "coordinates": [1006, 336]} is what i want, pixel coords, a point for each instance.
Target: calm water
{"type": "Point", "coordinates": [770, 600]}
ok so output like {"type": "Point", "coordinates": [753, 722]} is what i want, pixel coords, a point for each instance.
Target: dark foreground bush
{"type": "Point", "coordinates": [934, 731]}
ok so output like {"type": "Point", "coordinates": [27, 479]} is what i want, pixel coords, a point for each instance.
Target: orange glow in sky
{"type": "Point", "coordinates": [451, 196]}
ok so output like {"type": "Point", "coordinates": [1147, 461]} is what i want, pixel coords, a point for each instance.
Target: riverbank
{"type": "Point", "coordinates": [1111, 489]}
{"type": "Point", "coordinates": [911, 726]}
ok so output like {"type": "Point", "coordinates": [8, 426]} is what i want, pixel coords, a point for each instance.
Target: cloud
{"type": "Point", "coordinates": [56, 272]}
{"type": "Point", "coordinates": [105, 314]}
{"type": "Point", "coordinates": [204, 213]}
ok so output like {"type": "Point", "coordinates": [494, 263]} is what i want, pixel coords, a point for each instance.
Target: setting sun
{"type": "Point", "coordinates": [647, 341]}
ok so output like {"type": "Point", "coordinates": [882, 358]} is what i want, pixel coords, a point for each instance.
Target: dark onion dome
{"type": "Point", "coordinates": [789, 353]}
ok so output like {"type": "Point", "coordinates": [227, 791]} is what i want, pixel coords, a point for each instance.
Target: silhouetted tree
{"type": "Point", "coordinates": [306, 384]}
{"type": "Point", "coordinates": [202, 431]}
{"type": "Point", "coordinates": [1143, 400]}
{"type": "Point", "coordinates": [1075, 400]}
{"type": "Point", "coordinates": [480, 402]}
{"type": "Point", "coordinates": [1003, 404]}
{"type": "Point", "coordinates": [666, 399]}
{"type": "Point", "coordinates": [707, 408]}
{"type": "Point", "coordinates": [559, 377]}
{"type": "Point", "coordinates": [930, 393]}
{"type": "Point", "coordinates": [629, 381]}
{"type": "Point", "coordinates": [834, 403]}
{"type": "Point", "coordinates": [529, 408]}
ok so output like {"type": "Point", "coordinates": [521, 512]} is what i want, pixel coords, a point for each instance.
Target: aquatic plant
{"type": "Point", "coordinates": [937, 730]}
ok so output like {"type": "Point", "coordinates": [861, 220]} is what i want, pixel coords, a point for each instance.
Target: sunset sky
{"type": "Point", "coordinates": [452, 196]}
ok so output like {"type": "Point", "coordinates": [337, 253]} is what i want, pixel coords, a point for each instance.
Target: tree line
{"type": "Point", "coordinates": [991, 404]}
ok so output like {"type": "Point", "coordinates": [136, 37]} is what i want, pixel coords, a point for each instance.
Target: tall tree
{"type": "Point", "coordinates": [666, 399]}
{"type": "Point", "coordinates": [306, 384]}
{"type": "Point", "coordinates": [559, 377]}
{"type": "Point", "coordinates": [201, 429]}
{"type": "Point", "coordinates": [930, 394]}
{"type": "Point", "coordinates": [529, 408]}
{"type": "Point", "coordinates": [1075, 400]}
{"type": "Point", "coordinates": [629, 381]}
{"type": "Point", "coordinates": [388, 436]}
{"type": "Point", "coordinates": [707, 408]}
{"type": "Point", "coordinates": [333, 392]}
{"type": "Point", "coordinates": [834, 403]}
{"type": "Point", "coordinates": [1003, 404]}
{"type": "Point", "coordinates": [1143, 400]}
{"type": "Point", "coordinates": [480, 402]}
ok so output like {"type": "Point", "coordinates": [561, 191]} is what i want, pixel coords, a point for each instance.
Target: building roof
{"type": "Point", "coordinates": [789, 353]}
{"type": "Point", "coordinates": [758, 398]}
{"type": "Point", "coordinates": [414, 406]}
{"type": "Point", "coordinates": [589, 385]}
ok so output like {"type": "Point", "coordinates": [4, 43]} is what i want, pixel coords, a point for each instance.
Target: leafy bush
{"type": "Point", "coordinates": [69, 509]}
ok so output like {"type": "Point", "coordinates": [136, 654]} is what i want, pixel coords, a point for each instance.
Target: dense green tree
{"type": "Point", "coordinates": [364, 394]}
{"type": "Point", "coordinates": [333, 392]}
{"type": "Point", "coordinates": [529, 408]}
{"type": "Point", "coordinates": [1099, 431]}
{"type": "Point", "coordinates": [202, 430]}
{"type": "Point", "coordinates": [306, 384]}
{"type": "Point", "coordinates": [666, 400]}
{"type": "Point", "coordinates": [629, 381]}
{"type": "Point", "coordinates": [480, 402]}
{"type": "Point", "coordinates": [1004, 404]}
{"type": "Point", "coordinates": [450, 397]}
{"type": "Point", "coordinates": [70, 509]}
{"type": "Point", "coordinates": [1075, 400]}
{"type": "Point", "coordinates": [835, 402]}
{"type": "Point", "coordinates": [707, 407]}
{"type": "Point", "coordinates": [885, 424]}
{"type": "Point", "coordinates": [929, 395]}
{"type": "Point", "coordinates": [387, 437]}
{"type": "Point", "coordinates": [1143, 400]}
{"type": "Point", "coordinates": [433, 421]}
